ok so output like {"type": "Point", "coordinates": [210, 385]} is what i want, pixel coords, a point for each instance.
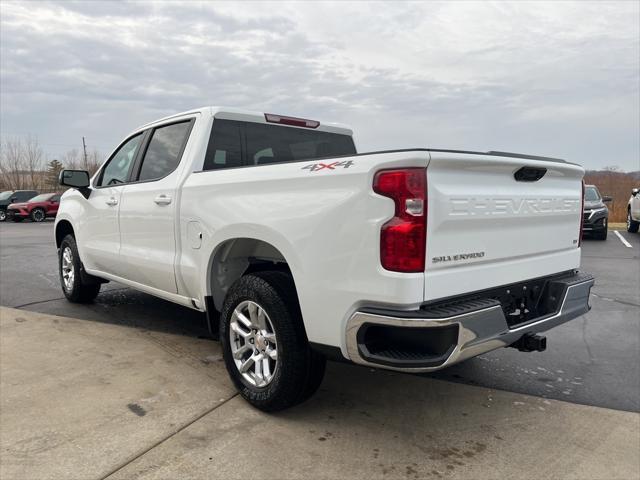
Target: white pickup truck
{"type": "Point", "coordinates": [300, 249]}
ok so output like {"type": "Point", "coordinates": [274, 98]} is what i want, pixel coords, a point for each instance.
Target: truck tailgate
{"type": "Point", "coordinates": [486, 229]}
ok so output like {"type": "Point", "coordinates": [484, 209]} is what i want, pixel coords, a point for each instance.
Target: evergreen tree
{"type": "Point", "coordinates": [54, 167]}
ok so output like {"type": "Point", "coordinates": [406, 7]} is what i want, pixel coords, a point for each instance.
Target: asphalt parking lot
{"type": "Point", "coordinates": [130, 387]}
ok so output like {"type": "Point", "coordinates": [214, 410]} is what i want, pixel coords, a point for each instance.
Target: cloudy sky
{"type": "Point", "coordinates": [559, 79]}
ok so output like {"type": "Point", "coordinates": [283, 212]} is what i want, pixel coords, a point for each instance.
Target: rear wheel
{"type": "Point", "coordinates": [265, 347]}
{"type": "Point", "coordinates": [632, 225]}
{"type": "Point", "coordinates": [38, 215]}
{"type": "Point", "coordinates": [74, 287]}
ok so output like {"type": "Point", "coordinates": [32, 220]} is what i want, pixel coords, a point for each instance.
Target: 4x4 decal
{"type": "Point", "coordinates": [314, 167]}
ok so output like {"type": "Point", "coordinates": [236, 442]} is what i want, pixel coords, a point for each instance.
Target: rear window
{"type": "Point", "coordinates": [224, 149]}
{"type": "Point", "coordinates": [265, 144]}
{"type": "Point", "coordinates": [272, 143]}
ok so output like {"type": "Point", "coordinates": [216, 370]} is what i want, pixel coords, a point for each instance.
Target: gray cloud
{"type": "Point", "coordinates": [541, 78]}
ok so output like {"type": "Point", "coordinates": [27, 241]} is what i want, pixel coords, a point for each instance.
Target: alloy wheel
{"type": "Point", "coordinates": [68, 270]}
{"type": "Point", "coordinates": [38, 215]}
{"type": "Point", "coordinates": [253, 343]}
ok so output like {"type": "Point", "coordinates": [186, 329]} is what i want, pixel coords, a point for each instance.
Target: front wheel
{"type": "Point", "coordinates": [3, 215]}
{"type": "Point", "coordinates": [632, 225]}
{"type": "Point", "coordinates": [71, 279]}
{"type": "Point", "coordinates": [264, 344]}
{"type": "Point", "coordinates": [38, 215]}
{"type": "Point", "coordinates": [602, 234]}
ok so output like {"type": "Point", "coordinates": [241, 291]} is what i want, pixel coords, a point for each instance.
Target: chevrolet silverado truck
{"type": "Point", "coordinates": [300, 249]}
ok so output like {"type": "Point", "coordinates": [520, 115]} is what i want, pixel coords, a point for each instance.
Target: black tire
{"type": "Point", "coordinates": [299, 369]}
{"type": "Point", "coordinates": [78, 291]}
{"type": "Point", "coordinates": [632, 225]}
{"type": "Point", "coordinates": [3, 215]}
{"type": "Point", "coordinates": [602, 234]}
{"type": "Point", "coordinates": [38, 215]}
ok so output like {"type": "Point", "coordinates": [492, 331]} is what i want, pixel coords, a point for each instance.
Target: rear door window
{"type": "Point", "coordinates": [164, 151]}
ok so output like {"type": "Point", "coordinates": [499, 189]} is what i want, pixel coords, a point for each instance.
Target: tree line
{"type": "Point", "coordinates": [25, 166]}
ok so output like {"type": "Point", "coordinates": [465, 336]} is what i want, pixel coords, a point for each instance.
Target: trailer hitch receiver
{"type": "Point", "coordinates": [531, 342]}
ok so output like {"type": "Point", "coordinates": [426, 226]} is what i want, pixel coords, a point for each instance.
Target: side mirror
{"type": "Point", "coordinates": [13, 199]}
{"type": "Point", "coordinates": [606, 198]}
{"type": "Point", "coordinates": [635, 191]}
{"type": "Point", "coordinates": [74, 178]}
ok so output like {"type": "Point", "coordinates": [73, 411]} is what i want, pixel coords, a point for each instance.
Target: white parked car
{"type": "Point", "coordinates": [299, 249]}
{"type": "Point", "coordinates": [633, 211]}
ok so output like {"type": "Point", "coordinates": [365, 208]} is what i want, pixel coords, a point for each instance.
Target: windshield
{"type": "Point", "coordinates": [5, 195]}
{"type": "Point", "coordinates": [591, 194]}
{"type": "Point", "coordinates": [42, 198]}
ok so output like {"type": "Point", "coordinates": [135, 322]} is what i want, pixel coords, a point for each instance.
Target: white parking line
{"type": "Point", "coordinates": [622, 239]}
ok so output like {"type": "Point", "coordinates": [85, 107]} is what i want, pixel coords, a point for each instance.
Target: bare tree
{"type": "Point", "coordinates": [94, 160]}
{"type": "Point", "coordinates": [73, 160]}
{"type": "Point", "coordinates": [22, 164]}
{"type": "Point", "coordinates": [12, 164]}
{"type": "Point", "coordinates": [34, 163]}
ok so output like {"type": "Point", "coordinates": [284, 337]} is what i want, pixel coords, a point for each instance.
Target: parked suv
{"type": "Point", "coordinates": [633, 211]}
{"type": "Point", "coordinates": [596, 213]}
{"type": "Point", "coordinates": [13, 196]}
{"type": "Point", "coordinates": [37, 209]}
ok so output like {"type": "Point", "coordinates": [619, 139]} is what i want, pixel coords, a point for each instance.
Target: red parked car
{"type": "Point", "coordinates": [37, 209]}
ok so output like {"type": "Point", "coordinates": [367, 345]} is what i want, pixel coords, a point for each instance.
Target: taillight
{"type": "Point", "coordinates": [403, 238]}
{"type": "Point", "coordinates": [581, 215]}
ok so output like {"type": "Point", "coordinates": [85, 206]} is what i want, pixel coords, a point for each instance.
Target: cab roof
{"type": "Point", "coordinates": [230, 113]}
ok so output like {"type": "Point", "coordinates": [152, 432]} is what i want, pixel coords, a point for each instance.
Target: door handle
{"type": "Point", "coordinates": [162, 199]}
{"type": "Point", "coordinates": [111, 202]}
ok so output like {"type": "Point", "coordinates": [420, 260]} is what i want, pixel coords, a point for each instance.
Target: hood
{"type": "Point", "coordinates": [17, 205]}
{"type": "Point", "coordinates": [594, 204]}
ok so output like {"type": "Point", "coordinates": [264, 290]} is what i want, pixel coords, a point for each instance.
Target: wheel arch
{"type": "Point", "coordinates": [63, 228]}
{"type": "Point", "coordinates": [239, 256]}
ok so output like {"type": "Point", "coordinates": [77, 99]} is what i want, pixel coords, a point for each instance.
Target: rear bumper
{"type": "Point", "coordinates": [435, 337]}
